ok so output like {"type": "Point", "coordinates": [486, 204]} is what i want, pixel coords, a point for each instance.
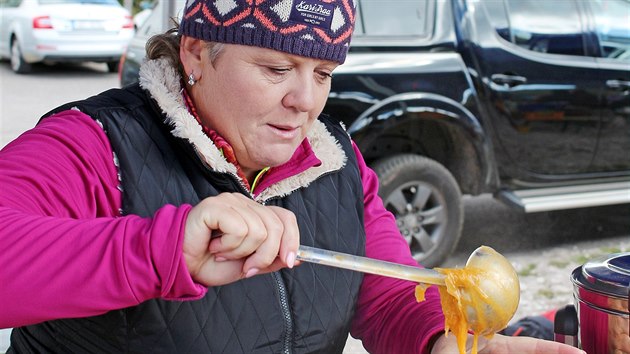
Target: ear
{"type": "Point", "coordinates": [190, 54]}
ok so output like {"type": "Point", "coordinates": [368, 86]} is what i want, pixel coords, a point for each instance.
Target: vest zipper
{"type": "Point", "coordinates": [286, 313]}
{"type": "Point", "coordinates": [284, 304]}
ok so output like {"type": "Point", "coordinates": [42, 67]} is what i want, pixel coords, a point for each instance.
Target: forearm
{"type": "Point", "coordinates": [389, 319]}
{"type": "Point", "coordinates": [60, 268]}
{"type": "Point", "coordinates": [67, 252]}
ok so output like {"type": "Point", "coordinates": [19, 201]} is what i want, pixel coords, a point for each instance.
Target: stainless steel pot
{"type": "Point", "coordinates": [601, 293]}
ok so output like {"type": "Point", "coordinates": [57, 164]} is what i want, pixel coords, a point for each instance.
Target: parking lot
{"type": "Point", "coordinates": [528, 240]}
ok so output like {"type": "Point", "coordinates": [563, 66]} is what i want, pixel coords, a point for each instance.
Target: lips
{"type": "Point", "coordinates": [285, 131]}
{"type": "Point", "coordinates": [283, 127]}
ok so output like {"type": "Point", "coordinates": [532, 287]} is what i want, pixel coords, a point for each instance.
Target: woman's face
{"type": "Point", "coordinates": [262, 101]}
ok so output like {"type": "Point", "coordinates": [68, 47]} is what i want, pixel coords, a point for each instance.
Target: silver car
{"type": "Point", "coordinates": [154, 23]}
{"type": "Point", "coordinates": [34, 31]}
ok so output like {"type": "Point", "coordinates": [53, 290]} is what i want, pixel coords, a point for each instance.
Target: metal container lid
{"type": "Point", "coordinates": [608, 275]}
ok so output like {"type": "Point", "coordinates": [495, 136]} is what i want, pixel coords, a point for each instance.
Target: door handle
{"type": "Point", "coordinates": [508, 80]}
{"type": "Point", "coordinates": [618, 84]}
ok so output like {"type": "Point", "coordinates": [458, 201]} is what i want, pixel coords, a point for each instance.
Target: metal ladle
{"type": "Point", "coordinates": [498, 283]}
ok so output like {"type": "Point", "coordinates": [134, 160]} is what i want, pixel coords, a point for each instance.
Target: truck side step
{"type": "Point", "coordinates": [578, 196]}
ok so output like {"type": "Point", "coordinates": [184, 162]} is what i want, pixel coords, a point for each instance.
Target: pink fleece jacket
{"type": "Point", "coordinates": [67, 251]}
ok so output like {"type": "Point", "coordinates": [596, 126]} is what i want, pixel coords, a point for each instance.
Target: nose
{"type": "Point", "coordinates": [302, 94]}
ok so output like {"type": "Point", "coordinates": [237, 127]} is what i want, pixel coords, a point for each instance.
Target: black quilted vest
{"type": "Point", "coordinates": [304, 310]}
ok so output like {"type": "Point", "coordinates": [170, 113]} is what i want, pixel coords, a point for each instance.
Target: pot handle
{"type": "Point", "coordinates": [565, 326]}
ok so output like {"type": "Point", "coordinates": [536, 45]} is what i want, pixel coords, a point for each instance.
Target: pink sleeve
{"type": "Point", "coordinates": [388, 318]}
{"type": "Point", "coordinates": [66, 251]}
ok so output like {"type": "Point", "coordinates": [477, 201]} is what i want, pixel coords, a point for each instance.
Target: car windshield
{"type": "Point", "coordinates": [101, 2]}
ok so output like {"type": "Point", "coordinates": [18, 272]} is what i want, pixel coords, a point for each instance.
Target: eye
{"type": "Point", "coordinates": [324, 75]}
{"type": "Point", "coordinates": [279, 70]}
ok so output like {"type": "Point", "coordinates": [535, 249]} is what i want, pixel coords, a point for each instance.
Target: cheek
{"type": "Point", "coordinates": [322, 92]}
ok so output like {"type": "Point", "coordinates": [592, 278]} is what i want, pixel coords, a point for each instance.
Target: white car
{"type": "Point", "coordinates": [34, 31]}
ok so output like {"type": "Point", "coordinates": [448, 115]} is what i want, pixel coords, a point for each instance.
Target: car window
{"type": "Point", "coordinates": [535, 25]}
{"type": "Point", "coordinates": [393, 18]}
{"type": "Point", "coordinates": [154, 22]}
{"type": "Point", "coordinates": [497, 13]}
{"type": "Point", "coordinates": [10, 3]}
{"type": "Point", "coordinates": [100, 2]}
{"type": "Point", "coordinates": [612, 25]}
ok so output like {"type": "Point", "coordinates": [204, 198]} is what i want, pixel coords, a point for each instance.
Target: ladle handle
{"type": "Point", "coordinates": [369, 265]}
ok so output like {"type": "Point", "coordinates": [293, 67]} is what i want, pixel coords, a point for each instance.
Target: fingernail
{"type": "Point", "coordinates": [250, 273]}
{"type": "Point", "coordinates": [291, 259]}
{"type": "Point", "coordinates": [220, 259]}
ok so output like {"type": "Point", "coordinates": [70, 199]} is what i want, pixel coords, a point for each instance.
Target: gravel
{"type": "Point", "coordinates": [544, 274]}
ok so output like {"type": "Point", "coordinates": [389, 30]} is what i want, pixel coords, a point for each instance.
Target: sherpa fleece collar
{"type": "Point", "coordinates": [163, 83]}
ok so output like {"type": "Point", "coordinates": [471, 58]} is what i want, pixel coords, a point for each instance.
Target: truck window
{"type": "Point", "coordinates": [399, 18]}
{"type": "Point", "coordinates": [497, 13]}
{"type": "Point", "coordinates": [612, 25]}
{"type": "Point", "coordinates": [534, 25]}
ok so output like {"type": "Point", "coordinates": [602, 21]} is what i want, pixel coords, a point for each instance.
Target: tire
{"type": "Point", "coordinates": [18, 65]}
{"type": "Point", "coordinates": [112, 66]}
{"type": "Point", "coordinates": [426, 201]}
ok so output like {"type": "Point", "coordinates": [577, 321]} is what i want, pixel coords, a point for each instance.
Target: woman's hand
{"type": "Point", "coordinates": [254, 239]}
{"type": "Point", "coordinates": [500, 344]}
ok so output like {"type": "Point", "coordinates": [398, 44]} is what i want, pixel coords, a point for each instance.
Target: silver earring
{"type": "Point", "coordinates": [191, 79]}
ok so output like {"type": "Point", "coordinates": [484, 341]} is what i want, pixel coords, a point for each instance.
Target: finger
{"type": "Point", "coordinates": [279, 250]}
{"type": "Point", "coordinates": [262, 223]}
{"type": "Point", "coordinates": [219, 273]}
{"type": "Point", "coordinates": [219, 214]}
{"type": "Point", "coordinates": [236, 221]}
{"type": "Point", "coordinates": [505, 344]}
{"type": "Point", "coordinates": [290, 238]}
{"type": "Point", "coordinates": [266, 252]}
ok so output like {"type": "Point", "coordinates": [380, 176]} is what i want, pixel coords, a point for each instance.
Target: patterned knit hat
{"type": "Point", "coordinates": [312, 28]}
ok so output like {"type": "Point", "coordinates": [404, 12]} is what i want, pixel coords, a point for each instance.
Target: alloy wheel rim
{"type": "Point", "coordinates": [421, 216]}
{"type": "Point", "coordinates": [15, 56]}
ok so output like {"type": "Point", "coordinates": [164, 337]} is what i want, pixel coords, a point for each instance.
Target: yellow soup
{"type": "Point", "coordinates": [466, 306]}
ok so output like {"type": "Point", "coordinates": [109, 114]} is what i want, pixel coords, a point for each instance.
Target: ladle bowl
{"type": "Point", "coordinates": [492, 292]}
{"type": "Point", "coordinates": [489, 297]}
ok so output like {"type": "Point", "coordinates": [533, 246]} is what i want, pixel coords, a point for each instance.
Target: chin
{"type": "Point", "coordinates": [277, 162]}
{"type": "Point", "coordinates": [278, 156]}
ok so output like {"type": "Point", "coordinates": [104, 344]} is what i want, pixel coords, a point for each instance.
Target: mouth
{"type": "Point", "coordinates": [285, 131]}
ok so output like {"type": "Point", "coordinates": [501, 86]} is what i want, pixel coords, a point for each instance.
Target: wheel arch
{"type": "Point", "coordinates": [14, 31]}
{"type": "Point", "coordinates": [430, 125]}
{"type": "Point", "coordinates": [426, 200]}
{"type": "Point", "coordinates": [25, 41]}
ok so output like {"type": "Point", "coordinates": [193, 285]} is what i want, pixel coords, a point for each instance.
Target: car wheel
{"type": "Point", "coordinates": [112, 66]}
{"type": "Point", "coordinates": [18, 64]}
{"type": "Point", "coordinates": [426, 201]}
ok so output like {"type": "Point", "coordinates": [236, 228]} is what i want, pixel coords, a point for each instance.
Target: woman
{"type": "Point", "coordinates": [109, 205]}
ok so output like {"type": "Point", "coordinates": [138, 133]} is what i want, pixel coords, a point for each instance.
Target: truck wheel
{"type": "Point", "coordinates": [18, 64]}
{"type": "Point", "coordinates": [426, 201]}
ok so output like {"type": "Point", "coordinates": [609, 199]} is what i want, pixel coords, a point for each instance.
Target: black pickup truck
{"type": "Point", "coordinates": [528, 100]}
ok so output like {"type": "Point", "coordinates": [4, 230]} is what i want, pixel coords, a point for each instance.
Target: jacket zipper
{"type": "Point", "coordinates": [280, 285]}
{"type": "Point", "coordinates": [286, 313]}
{"type": "Point", "coordinates": [284, 304]}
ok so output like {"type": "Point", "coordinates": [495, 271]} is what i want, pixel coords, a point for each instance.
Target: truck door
{"type": "Point", "coordinates": [542, 89]}
{"type": "Point", "coordinates": [611, 24]}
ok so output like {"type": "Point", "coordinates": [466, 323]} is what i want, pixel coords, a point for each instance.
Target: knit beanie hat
{"type": "Point", "coordinates": [318, 29]}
